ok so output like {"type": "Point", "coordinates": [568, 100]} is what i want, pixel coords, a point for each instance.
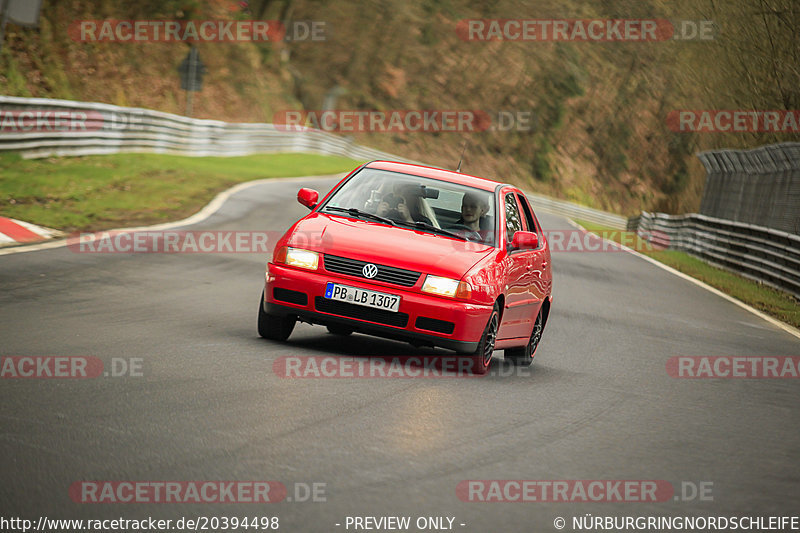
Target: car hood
{"type": "Point", "coordinates": [388, 245]}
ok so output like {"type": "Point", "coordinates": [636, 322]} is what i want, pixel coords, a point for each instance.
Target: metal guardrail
{"type": "Point", "coordinates": [67, 128]}
{"type": "Point", "coordinates": [98, 129]}
{"type": "Point", "coordinates": [580, 212]}
{"type": "Point", "coordinates": [763, 254]}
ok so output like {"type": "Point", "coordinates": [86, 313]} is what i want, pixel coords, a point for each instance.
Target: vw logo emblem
{"type": "Point", "coordinates": [369, 271]}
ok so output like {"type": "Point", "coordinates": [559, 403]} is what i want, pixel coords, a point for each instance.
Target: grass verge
{"type": "Point", "coordinates": [100, 192]}
{"type": "Point", "coordinates": [770, 301]}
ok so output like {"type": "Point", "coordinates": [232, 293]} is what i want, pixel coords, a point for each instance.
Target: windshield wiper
{"type": "Point", "coordinates": [434, 229]}
{"type": "Point", "coordinates": [358, 213]}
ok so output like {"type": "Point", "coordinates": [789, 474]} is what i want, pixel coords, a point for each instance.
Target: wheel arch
{"type": "Point", "coordinates": [500, 301]}
{"type": "Point", "coordinates": [545, 311]}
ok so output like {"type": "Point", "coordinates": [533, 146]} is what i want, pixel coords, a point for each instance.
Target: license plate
{"type": "Point", "coordinates": [354, 295]}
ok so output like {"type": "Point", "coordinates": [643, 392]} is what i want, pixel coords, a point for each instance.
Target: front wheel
{"type": "Point", "coordinates": [274, 327]}
{"type": "Point", "coordinates": [482, 357]}
{"type": "Point", "coordinates": [524, 355]}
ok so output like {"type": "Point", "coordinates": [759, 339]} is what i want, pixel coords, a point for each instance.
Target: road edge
{"type": "Point", "coordinates": [774, 321]}
{"type": "Point", "coordinates": [208, 210]}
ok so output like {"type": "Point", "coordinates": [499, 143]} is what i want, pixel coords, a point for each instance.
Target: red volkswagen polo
{"type": "Point", "coordinates": [419, 254]}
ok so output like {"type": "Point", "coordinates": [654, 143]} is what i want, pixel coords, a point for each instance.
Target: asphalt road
{"type": "Point", "coordinates": [597, 404]}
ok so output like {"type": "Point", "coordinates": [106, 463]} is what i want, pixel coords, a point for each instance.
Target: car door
{"type": "Point", "coordinates": [539, 272]}
{"type": "Point", "coordinates": [516, 320]}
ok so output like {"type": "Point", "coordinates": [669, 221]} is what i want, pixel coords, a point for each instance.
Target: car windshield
{"type": "Point", "coordinates": [421, 203]}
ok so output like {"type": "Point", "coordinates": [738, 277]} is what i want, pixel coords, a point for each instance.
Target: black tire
{"type": "Point", "coordinates": [335, 329]}
{"type": "Point", "coordinates": [274, 327]}
{"type": "Point", "coordinates": [482, 358]}
{"type": "Point", "coordinates": [523, 356]}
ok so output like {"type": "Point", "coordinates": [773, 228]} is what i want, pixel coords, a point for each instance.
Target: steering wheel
{"type": "Point", "coordinates": [468, 233]}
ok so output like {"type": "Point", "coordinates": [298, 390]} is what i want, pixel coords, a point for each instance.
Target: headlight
{"type": "Point", "coordinates": [297, 257]}
{"type": "Point", "coordinates": [446, 287]}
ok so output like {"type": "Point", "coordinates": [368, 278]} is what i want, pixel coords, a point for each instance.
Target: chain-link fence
{"type": "Point", "coordinates": [760, 186]}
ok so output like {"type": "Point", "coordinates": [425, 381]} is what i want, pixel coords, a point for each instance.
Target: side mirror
{"type": "Point", "coordinates": [524, 240]}
{"type": "Point", "coordinates": [308, 197]}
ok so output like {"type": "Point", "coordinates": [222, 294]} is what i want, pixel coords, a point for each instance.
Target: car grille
{"type": "Point", "coordinates": [360, 312]}
{"type": "Point", "coordinates": [387, 274]}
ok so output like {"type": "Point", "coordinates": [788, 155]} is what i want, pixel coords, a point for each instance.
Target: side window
{"type": "Point", "coordinates": [513, 221]}
{"type": "Point", "coordinates": [526, 209]}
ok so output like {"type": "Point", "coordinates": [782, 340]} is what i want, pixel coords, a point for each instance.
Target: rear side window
{"type": "Point", "coordinates": [526, 210]}
{"type": "Point", "coordinates": [513, 220]}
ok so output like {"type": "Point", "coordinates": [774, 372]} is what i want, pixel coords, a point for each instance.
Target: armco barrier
{"type": "Point", "coordinates": [580, 212]}
{"type": "Point", "coordinates": [764, 254]}
{"type": "Point", "coordinates": [109, 129]}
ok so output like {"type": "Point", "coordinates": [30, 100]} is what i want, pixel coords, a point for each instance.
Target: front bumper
{"type": "Point", "coordinates": [458, 325]}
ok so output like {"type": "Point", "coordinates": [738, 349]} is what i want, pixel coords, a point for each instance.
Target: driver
{"type": "Point", "coordinates": [405, 204]}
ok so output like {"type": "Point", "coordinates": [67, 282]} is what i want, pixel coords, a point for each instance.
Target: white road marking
{"type": "Point", "coordinates": [774, 321]}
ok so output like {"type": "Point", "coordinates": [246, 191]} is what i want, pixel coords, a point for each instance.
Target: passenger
{"type": "Point", "coordinates": [473, 212]}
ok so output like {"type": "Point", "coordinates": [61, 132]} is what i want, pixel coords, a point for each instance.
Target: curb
{"type": "Point", "coordinates": [14, 232]}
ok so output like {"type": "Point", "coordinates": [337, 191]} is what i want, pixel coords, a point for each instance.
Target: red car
{"type": "Point", "coordinates": [420, 254]}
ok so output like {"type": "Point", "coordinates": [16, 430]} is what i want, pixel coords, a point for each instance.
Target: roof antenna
{"type": "Point", "coordinates": [460, 159]}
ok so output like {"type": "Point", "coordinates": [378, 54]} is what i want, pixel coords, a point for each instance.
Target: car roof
{"type": "Point", "coordinates": [436, 173]}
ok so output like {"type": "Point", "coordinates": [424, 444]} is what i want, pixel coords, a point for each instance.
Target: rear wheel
{"type": "Point", "coordinates": [523, 356]}
{"type": "Point", "coordinates": [482, 358]}
{"type": "Point", "coordinates": [274, 327]}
